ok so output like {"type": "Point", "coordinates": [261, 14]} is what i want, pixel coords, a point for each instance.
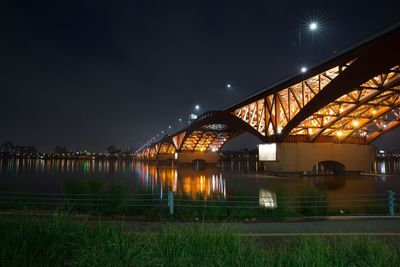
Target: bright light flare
{"type": "Point", "coordinates": [267, 152]}
{"type": "Point", "coordinates": [303, 69]}
{"type": "Point", "coordinates": [313, 26]}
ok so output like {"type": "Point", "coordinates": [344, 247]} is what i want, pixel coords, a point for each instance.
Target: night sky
{"type": "Point", "coordinates": [88, 74]}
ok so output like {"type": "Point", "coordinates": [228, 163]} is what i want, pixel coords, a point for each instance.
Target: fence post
{"type": "Point", "coordinates": [391, 203]}
{"type": "Point", "coordinates": [171, 202]}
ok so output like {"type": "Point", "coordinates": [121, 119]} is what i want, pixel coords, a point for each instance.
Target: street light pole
{"type": "Point", "coordinates": [300, 59]}
{"type": "Point", "coordinates": [196, 107]}
{"type": "Point", "coordinates": [312, 27]}
{"type": "Point", "coordinates": [228, 86]}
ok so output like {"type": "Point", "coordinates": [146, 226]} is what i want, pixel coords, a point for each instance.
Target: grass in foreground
{"type": "Point", "coordinates": [61, 241]}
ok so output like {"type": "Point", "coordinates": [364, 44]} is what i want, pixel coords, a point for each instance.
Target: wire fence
{"type": "Point", "coordinates": [230, 205]}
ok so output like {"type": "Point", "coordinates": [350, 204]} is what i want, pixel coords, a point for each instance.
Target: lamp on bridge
{"type": "Point", "coordinates": [355, 123]}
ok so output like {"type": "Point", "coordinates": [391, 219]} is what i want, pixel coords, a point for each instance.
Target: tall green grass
{"type": "Point", "coordinates": [339, 251]}
{"type": "Point", "coordinates": [102, 197]}
{"type": "Point", "coordinates": [61, 241]}
{"type": "Point", "coordinates": [110, 198]}
{"type": "Point", "coordinates": [313, 202]}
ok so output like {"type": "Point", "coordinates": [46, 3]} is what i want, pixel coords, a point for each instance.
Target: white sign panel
{"type": "Point", "coordinates": [267, 152]}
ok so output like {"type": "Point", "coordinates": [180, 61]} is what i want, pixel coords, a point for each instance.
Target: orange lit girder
{"type": "Point", "coordinates": [342, 117]}
{"type": "Point", "coordinates": [270, 114]}
{"type": "Point", "coordinates": [213, 129]}
{"type": "Point", "coordinates": [347, 115]}
{"type": "Point", "coordinates": [152, 152]}
{"type": "Point", "coordinates": [206, 141]}
{"type": "Point", "coordinates": [387, 122]}
{"type": "Point", "coordinates": [178, 138]}
{"type": "Point", "coordinates": [379, 117]}
{"type": "Point", "coordinates": [166, 148]}
{"type": "Point", "coordinates": [390, 126]}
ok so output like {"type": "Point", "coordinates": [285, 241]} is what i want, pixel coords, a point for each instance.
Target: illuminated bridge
{"type": "Point", "coordinates": [330, 113]}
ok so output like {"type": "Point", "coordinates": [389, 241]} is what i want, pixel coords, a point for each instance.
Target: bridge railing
{"type": "Point", "coordinates": [169, 203]}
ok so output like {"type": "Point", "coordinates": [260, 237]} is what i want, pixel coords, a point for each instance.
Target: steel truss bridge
{"type": "Point", "coordinates": [353, 98]}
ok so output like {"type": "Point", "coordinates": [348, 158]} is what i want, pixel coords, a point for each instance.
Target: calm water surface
{"type": "Point", "coordinates": [54, 176]}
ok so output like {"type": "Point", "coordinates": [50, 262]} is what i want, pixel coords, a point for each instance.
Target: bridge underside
{"type": "Point", "coordinates": [212, 130]}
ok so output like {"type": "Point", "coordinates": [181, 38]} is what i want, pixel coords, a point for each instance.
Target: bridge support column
{"type": "Point", "coordinates": [304, 157]}
{"type": "Point", "coordinates": [165, 157]}
{"type": "Point", "coordinates": [185, 157]}
{"type": "Point", "coordinates": [152, 157]}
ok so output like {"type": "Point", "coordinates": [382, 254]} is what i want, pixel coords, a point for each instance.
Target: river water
{"type": "Point", "coordinates": [56, 176]}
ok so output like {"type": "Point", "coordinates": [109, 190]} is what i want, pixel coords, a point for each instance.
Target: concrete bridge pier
{"type": "Point", "coordinates": [149, 158]}
{"type": "Point", "coordinates": [185, 157]}
{"type": "Point", "coordinates": [166, 157]}
{"type": "Point", "coordinates": [321, 158]}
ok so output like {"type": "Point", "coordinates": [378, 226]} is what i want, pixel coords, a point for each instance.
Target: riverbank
{"type": "Point", "coordinates": [243, 207]}
{"type": "Point", "coordinates": [61, 241]}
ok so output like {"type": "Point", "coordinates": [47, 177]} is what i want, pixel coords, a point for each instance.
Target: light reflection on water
{"type": "Point", "coordinates": [51, 176]}
{"type": "Point", "coordinates": [386, 167]}
{"type": "Point", "coordinates": [267, 199]}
